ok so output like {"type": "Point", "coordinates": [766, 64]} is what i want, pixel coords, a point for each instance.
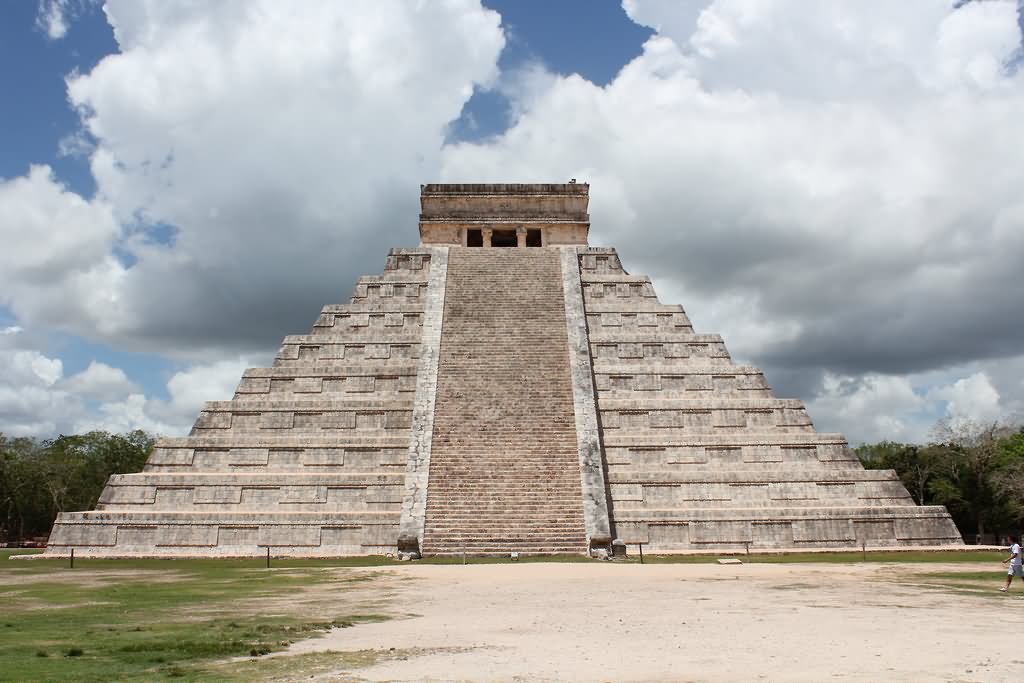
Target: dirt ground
{"type": "Point", "coordinates": [755, 622]}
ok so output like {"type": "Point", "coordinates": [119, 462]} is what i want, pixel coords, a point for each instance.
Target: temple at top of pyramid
{"type": "Point", "coordinates": [505, 215]}
{"type": "Point", "coordinates": [502, 387]}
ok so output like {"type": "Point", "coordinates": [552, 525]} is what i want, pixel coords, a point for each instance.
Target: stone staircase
{"type": "Point", "coordinates": [504, 472]}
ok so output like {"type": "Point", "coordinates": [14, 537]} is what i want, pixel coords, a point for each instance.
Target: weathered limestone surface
{"type": "Point", "coordinates": [702, 456]}
{"type": "Point", "coordinates": [310, 457]}
{"type": "Point", "coordinates": [558, 212]}
{"type": "Point", "coordinates": [503, 387]}
{"type": "Point", "coordinates": [588, 436]}
{"type": "Point", "coordinates": [414, 505]}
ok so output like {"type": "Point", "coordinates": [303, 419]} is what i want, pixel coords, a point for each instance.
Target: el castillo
{"type": "Point", "coordinates": [502, 388]}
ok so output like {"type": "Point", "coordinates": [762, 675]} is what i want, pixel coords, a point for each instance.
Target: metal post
{"type": "Point", "coordinates": [72, 558]}
{"type": "Point", "coordinates": [864, 549]}
{"type": "Point", "coordinates": [268, 557]}
{"type": "Point", "coordinates": [747, 544]}
{"type": "Point", "coordinates": [641, 552]}
{"type": "Point", "coordinates": [463, 556]}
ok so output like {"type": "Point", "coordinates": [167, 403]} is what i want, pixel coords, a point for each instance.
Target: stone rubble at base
{"type": "Point", "coordinates": [524, 394]}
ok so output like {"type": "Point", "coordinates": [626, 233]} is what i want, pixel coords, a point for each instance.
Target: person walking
{"type": "Point", "coordinates": [1015, 568]}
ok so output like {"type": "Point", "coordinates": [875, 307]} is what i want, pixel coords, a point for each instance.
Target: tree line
{"type": "Point", "coordinates": [40, 478]}
{"type": "Point", "coordinates": [975, 469]}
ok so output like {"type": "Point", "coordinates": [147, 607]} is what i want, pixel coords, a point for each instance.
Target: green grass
{"type": "Point", "coordinates": [307, 665]}
{"type": "Point", "coordinates": [160, 619]}
{"type": "Point", "coordinates": [256, 561]}
{"type": "Point", "coordinates": [986, 583]}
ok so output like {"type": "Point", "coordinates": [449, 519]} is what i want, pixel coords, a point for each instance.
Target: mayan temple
{"type": "Point", "coordinates": [503, 387]}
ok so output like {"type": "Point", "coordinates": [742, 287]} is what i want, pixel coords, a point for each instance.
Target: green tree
{"type": "Point", "coordinates": [38, 480]}
{"type": "Point", "coordinates": [970, 466]}
{"type": "Point", "coordinates": [914, 465]}
{"type": "Point", "coordinates": [975, 469]}
{"type": "Point", "coordinates": [21, 482]}
{"type": "Point", "coordinates": [1008, 478]}
{"type": "Point", "coordinates": [79, 465]}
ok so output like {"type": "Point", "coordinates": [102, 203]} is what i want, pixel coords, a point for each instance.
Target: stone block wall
{"type": "Point", "coordinates": [309, 456]}
{"type": "Point", "coordinates": [700, 454]}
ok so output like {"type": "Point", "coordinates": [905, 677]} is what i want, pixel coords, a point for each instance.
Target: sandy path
{"type": "Point", "coordinates": [611, 622]}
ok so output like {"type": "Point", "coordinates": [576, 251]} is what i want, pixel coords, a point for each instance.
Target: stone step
{"type": "Point", "coordinates": [457, 488]}
{"type": "Point", "coordinates": [309, 404]}
{"type": "Point", "coordinates": [486, 532]}
{"type": "Point", "coordinates": [534, 552]}
{"type": "Point", "coordinates": [476, 482]}
{"type": "Point", "coordinates": [489, 532]}
{"type": "Point", "coordinates": [493, 551]}
{"type": "Point", "coordinates": [333, 369]}
{"type": "Point", "coordinates": [527, 510]}
{"type": "Point", "coordinates": [529, 516]}
{"type": "Point", "coordinates": [662, 439]}
{"type": "Point", "coordinates": [741, 477]}
{"type": "Point", "coordinates": [502, 537]}
{"type": "Point", "coordinates": [481, 491]}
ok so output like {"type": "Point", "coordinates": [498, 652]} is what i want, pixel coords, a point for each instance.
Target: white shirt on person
{"type": "Point", "coordinates": [1016, 561]}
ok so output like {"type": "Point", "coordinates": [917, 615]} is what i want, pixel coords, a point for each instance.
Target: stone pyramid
{"type": "Point", "coordinates": [502, 387]}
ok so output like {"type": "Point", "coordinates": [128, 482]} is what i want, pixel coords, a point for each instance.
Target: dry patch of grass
{"type": "Point", "coordinates": [336, 666]}
{"type": "Point", "coordinates": [984, 584]}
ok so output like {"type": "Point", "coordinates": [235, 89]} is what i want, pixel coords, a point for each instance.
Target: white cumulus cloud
{"type": "Point", "coordinates": [834, 187]}
{"type": "Point", "coordinates": [280, 149]}
{"type": "Point", "coordinates": [57, 263]}
{"type": "Point", "coordinates": [972, 398]}
{"type": "Point", "coordinates": [38, 399]}
{"type": "Point", "coordinates": [251, 158]}
{"type": "Point", "coordinates": [100, 381]}
{"type": "Point", "coordinates": [874, 408]}
{"type": "Point", "coordinates": [30, 402]}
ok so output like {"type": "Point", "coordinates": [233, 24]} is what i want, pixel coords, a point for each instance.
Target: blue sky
{"type": "Point", "coordinates": [593, 39]}
{"type": "Point", "coordinates": [34, 67]}
{"type": "Point", "coordinates": [833, 188]}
